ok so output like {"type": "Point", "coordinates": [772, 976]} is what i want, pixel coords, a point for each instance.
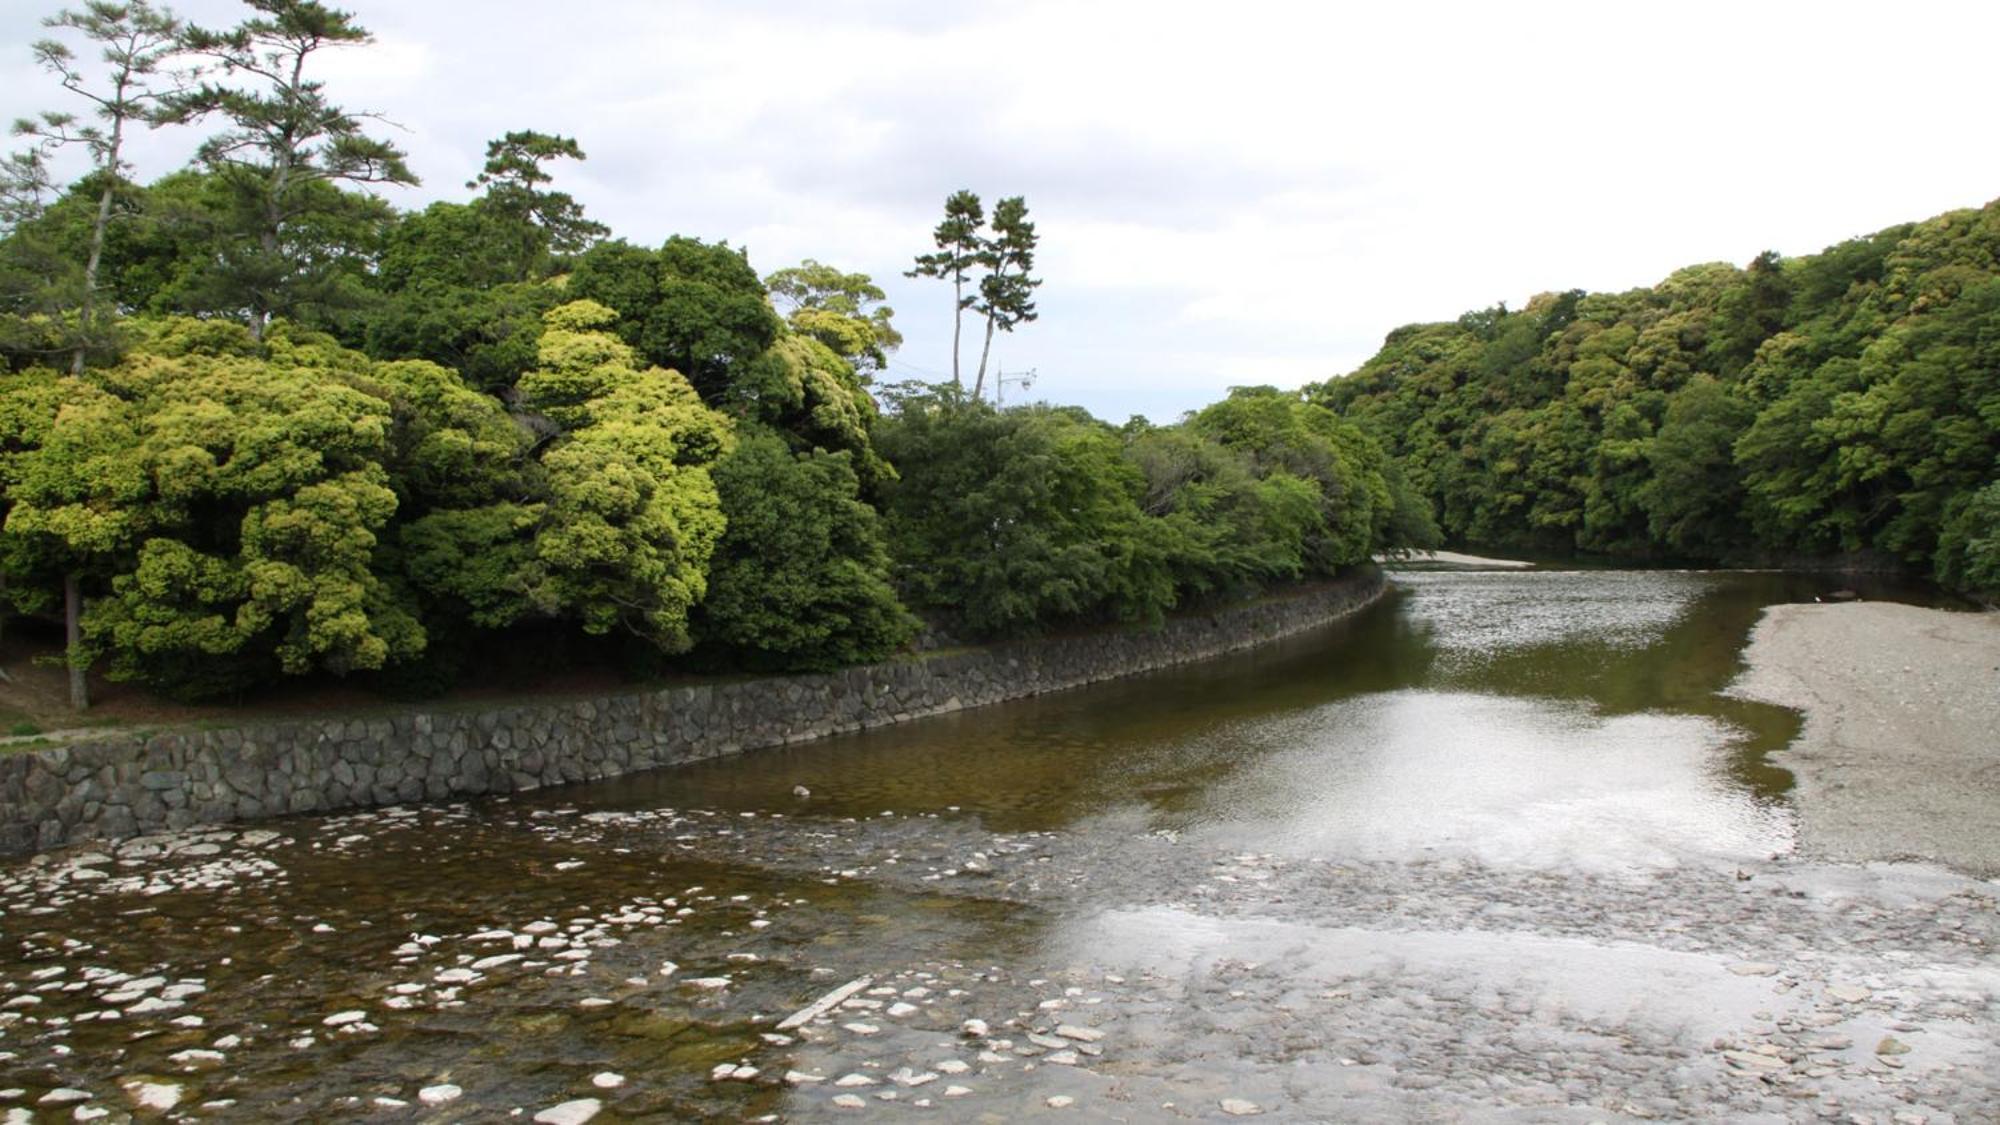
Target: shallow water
{"type": "Point", "coordinates": [1522, 725]}
{"type": "Point", "coordinates": [1532, 709]}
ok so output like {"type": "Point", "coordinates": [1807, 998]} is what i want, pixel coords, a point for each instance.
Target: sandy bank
{"type": "Point", "coordinates": [1900, 755]}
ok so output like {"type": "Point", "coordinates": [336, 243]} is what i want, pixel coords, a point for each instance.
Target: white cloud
{"type": "Point", "coordinates": [1226, 193]}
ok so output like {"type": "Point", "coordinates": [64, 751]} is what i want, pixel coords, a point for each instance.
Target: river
{"type": "Point", "coordinates": [1494, 848]}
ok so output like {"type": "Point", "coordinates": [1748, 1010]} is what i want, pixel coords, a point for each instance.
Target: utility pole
{"type": "Point", "coordinates": [1000, 380]}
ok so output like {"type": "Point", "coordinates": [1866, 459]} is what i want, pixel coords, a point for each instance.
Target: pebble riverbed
{"type": "Point", "coordinates": [172, 977]}
{"type": "Point", "coordinates": [1494, 851]}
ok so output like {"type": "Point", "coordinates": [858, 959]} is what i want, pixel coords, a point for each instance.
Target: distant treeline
{"type": "Point", "coordinates": [1815, 407]}
{"type": "Point", "coordinates": [257, 424]}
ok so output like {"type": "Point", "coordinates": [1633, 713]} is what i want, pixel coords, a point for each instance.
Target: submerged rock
{"type": "Point", "coordinates": [570, 1113]}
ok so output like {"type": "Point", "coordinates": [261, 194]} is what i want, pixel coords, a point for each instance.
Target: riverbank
{"type": "Point", "coordinates": [1900, 755]}
{"type": "Point", "coordinates": [121, 784]}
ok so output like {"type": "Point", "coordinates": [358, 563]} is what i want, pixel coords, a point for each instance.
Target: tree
{"type": "Point", "coordinates": [800, 579]}
{"type": "Point", "coordinates": [622, 527]}
{"type": "Point", "coordinates": [34, 270]}
{"type": "Point", "coordinates": [959, 246]}
{"type": "Point", "coordinates": [1010, 523]}
{"type": "Point", "coordinates": [1006, 292]}
{"type": "Point", "coordinates": [690, 306]}
{"type": "Point", "coordinates": [1693, 497]}
{"type": "Point", "coordinates": [286, 143]}
{"type": "Point", "coordinates": [136, 40]}
{"type": "Point", "coordinates": [814, 399]}
{"type": "Point", "coordinates": [71, 484]}
{"type": "Point", "coordinates": [1280, 434]}
{"type": "Point", "coordinates": [25, 185]}
{"type": "Point", "coordinates": [224, 507]}
{"type": "Point", "coordinates": [844, 311]}
{"type": "Point", "coordinates": [546, 222]}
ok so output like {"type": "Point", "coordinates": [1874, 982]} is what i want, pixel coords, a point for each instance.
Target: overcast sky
{"type": "Point", "coordinates": [1226, 193]}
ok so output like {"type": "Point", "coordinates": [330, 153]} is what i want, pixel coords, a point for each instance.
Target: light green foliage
{"type": "Point", "coordinates": [815, 399]}
{"type": "Point", "coordinates": [626, 516]}
{"type": "Point", "coordinates": [699, 309]}
{"type": "Point", "coordinates": [632, 519]}
{"type": "Point", "coordinates": [843, 311]}
{"type": "Point", "coordinates": [234, 505]}
{"type": "Point", "coordinates": [577, 360]}
{"type": "Point", "coordinates": [75, 482]}
{"type": "Point", "coordinates": [1279, 433]}
{"type": "Point", "coordinates": [801, 577]}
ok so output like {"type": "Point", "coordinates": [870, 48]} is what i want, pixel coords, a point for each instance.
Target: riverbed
{"type": "Point", "coordinates": [1498, 848]}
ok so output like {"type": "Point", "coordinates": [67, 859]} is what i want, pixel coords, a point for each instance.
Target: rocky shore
{"type": "Point", "coordinates": [1900, 756]}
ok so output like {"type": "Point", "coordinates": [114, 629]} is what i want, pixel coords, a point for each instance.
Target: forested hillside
{"type": "Point", "coordinates": [257, 424]}
{"type": "Point", "coordinates": [1841, 403]}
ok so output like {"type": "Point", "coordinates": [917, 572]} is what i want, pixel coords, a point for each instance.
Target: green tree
{"type": "Point", "coordinates": [74, 490]}
{"type": "Point", "coordinates": [25, 185]}
{"type": "Point", "coordinates": [1693, 496]}
{"type": "Point", "coordinates": [959, 246]}
{"type": "Point", "coordinates": [800, 579]}
{"type": "Point", "coordinates": [816, 400]}
{"type": "Point", "coordinates": [286, 148]}
{"type": "Point", "coordinates": [547, 224]}
{"type": "Point", "coordinates": [228, 508]}
{"type": "Point", "coordinates": [843, 311]}
{"type": "Point", "coordinates": [1968, 555]}
{"type": "Point", "coordinates": [489, 336]}
{"type": "Point", "coordinates": [135, 40]}
{"type": "Point", "coordinates": [1278, 433]}
{"type": "Point", "coordinates": [692, 307]}
{"type": "Point", "coordinates": [621, 535]}
{"type": "Point", "coordinates": [1006, 291]}
{"type": "Point", "coordinates": [1009, 523]}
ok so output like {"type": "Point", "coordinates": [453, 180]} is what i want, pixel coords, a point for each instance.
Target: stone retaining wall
{"type": "Point", "coordinates": [125, 784]}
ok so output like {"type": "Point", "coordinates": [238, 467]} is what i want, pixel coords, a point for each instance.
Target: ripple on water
{"type": "Point", "coordinates": [1476, 613]}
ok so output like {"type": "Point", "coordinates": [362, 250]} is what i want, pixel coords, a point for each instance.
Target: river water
{"type": "Point", "coordinates": [1495, 848]}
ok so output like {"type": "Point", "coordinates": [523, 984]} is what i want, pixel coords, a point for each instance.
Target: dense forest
{"type": "Point", "coordinates": [1840, 406]}
{"type": "Point", "coordinates": [257, 424]}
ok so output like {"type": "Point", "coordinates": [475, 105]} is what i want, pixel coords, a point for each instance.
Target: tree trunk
{"type": "Point", "coordinates": [957, 321]}
{"type": "Point", "coordinates": [97, 229]}
{"type": "Point", "coordinates": [79, 684]}
{"type": "Point", "coordinates": [979, 383]}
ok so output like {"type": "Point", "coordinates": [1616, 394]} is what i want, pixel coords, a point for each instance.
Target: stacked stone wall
{"type": "Point", "coordinates": [127, 784]}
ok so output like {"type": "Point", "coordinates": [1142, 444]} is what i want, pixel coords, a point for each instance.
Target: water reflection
{"type": "Point", "coordinates": [1523, 716]}
{"type": "Point", "coordinates": [1504, 780]}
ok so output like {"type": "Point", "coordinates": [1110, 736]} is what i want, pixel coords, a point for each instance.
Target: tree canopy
{"type": "Point", "coordinates": [1845, 403]}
